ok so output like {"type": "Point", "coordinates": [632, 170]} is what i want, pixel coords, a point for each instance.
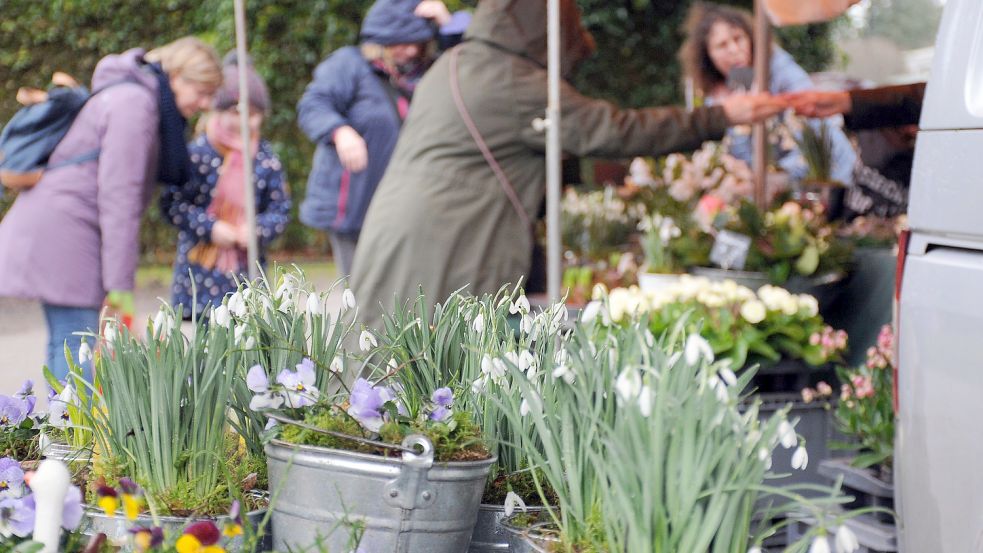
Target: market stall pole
{"type": "Point", "coordinates": [759, 133]}
{"type": "Point", "coordinates": [243, 63]}
{"type": "Point", "coordinates": [553, 152]}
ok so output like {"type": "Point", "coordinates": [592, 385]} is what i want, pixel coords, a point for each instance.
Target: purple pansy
{"type": "Point", "coordinates": [367, 404]}
{"type": "Point", "coordinates": [11, 478]}
{"type": "Point", "coordinates": [16, 517]}
{"type": "Point", "coordinates": [257, 381]}
{"type": "Point", "coordinates": [26, 395]}
{"type": "Point", "coordinates": [12, 412]}
{"type": "Point", "coordinates": [440, 414]}
{"type": "Point", "coordinates": [299, 384]}
{"type": "Point", "coordinates": [71, 514]}
{"type": "Point", "coordinates": [156, 534]}
{"type": "Point", "coordinates": [442, 399]}
{"type": "Point", "coordinates": [58, 415]}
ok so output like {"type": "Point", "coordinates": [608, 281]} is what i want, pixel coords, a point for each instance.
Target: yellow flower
{"type": "Point", "coordinates": [131, 506]}
{"type": "Point", "coordinates": [108, 504]}
{"type": "Point", "coordinates": [190, 544]}
{"type": "Point", "coordinates": [232, 530]}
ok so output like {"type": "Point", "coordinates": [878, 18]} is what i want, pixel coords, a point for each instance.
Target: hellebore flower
{"type": "Point", "coordinates": [12, 412]}
{"type": "Point", "coordinates": [265, 398]}
{"type": "Point", "coordinates": [11, 478]}
{"type": "Point", "coordinates": [145, 539]}
{"type": "Point", "coordinates": [299, 384]}
{"type": "Point", "coordinates": [200, 537]}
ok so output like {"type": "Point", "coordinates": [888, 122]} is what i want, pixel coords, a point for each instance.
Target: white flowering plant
{"type": "Point", "coordinates": [741, 325]}
{"type": "Point", "coordinates": [597, 223]}
{"type": "Point", "coordinates": [640, 414]}
{"type": "Point", "coordinates": [658, 232]}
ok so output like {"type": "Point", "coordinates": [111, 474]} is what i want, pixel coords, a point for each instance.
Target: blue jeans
{"type": "Point", "coordinates": [62, 322]}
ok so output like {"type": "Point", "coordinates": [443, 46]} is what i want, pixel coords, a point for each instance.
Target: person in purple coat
{"type": "Point", "coordinates": [355, 106]}
{"type": "Point", "coordinates": [71, 241]}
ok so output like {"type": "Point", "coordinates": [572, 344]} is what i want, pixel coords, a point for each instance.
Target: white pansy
{"type": "Point", "coordinates": [520, 306]}
{"type": "Point", "coordinates": [846, 540]}
{"type": "Point", "coordinates": [337, 365]}
{"type": "Point", "coordinates": [786, 435]}
{"type": "Point", "coordinates": [590, 312]}
{"type": "Point", "coordinates": [85, 352]}
{"type": "Point", "coordinates": [697, 348]}
{"type": "Point", "coordinates": [479, 323]}
{"type": "Point", "coordinates": [513, 502]}
{"type": "Point", "coordinates": [264, 401]}
{"type": "Point", "coordinates": [221, 316]}
{"type": "Point", "coordinates": [800, 459]}
{"type": "Point", "coordinates": [348, 299]}
{"type": "Point", "coordinates": [628, 385]}
{"type": "Point", "coordinates": [314, 304]}
{"type": "Point", "coordinates": [753, 311]}
{"type": "Point", "coordinates": [819, 544]}
{"type": "Point", "coordinates": [367, 341]}
{"type": "Point", "coordinates": [237, 304]}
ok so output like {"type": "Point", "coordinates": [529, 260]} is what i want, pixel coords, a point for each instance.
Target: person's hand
{"type": "Point", "coordinates": [814, 103]}
{"type": "Point", "coordinates": [433, 9]}
{"type": "Point", "coordinates": [351, 149]}
{"type": "Point", "coordinates": [743, 109]}
{"type": "Point", "coordinates": [120, 305]}
{"type": "Point", "coordinates": [223, 234]}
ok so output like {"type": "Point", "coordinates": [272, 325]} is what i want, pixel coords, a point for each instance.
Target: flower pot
{"type": "Point", "coordinates": [407, 505]}
{"type": "Point", "coordinates": [654, 282]}
{"type": "Point", "coordinates": [873, 536]}
{"type": "Point", "coordinates": [530, 539]}
{"type": "Point", "coordinates": [826, 288]}
{"type": "Point", "coordinates": [117, 528]}
{"type": "Point", "coordinates": [489, 534]}
{"type": "Point", "coordinates": [864, 484]}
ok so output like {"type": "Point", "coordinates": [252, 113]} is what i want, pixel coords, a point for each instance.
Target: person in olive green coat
{"type": "Point", "coordinates": [440, 219]}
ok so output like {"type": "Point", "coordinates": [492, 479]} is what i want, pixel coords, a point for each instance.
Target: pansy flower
{"type": "Point", "coordinates": [15, 518]}
{"type": "Point", "coordinates": [442, 400]}
{"type": "Point", "coordinates": [145, 539]}
{"type": "Point", "coordinates": [299, 384]}
{"type": "Point", "coordinates": [265, 398]}
{"type": "Point", "coordinates": [107, 499]}
{"type": "Point", "coordinates": [200, 537]}
{"type": "Point", "coordinates": [233, 527]}
{"type": "Point", "coordinates": [132, 497]}
{"type": "Point", "coordinates": [26, 395]}
{"type": "Point", "coordinates": [12, 412]}
{"type": "Point", "coordinates": [367, 404]}
{"type": "Point", "coordinates": [11, 478]}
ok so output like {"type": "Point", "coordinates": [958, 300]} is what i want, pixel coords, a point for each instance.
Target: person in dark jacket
{"type": "Point", "coordinates": [441, 219]}
{"type": "Point", "coordinates": [209, 210]}
{"type": "Point", "coordinates": [354, 108]}
{"type": "Point", "coordinates": [872, 108]}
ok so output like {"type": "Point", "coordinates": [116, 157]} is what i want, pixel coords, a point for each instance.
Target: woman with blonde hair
{"type": "Point", "coordinates": [71, 241]}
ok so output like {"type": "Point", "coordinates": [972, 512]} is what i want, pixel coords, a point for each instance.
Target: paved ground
{"type": "Point", "coordinates": [23, 334]}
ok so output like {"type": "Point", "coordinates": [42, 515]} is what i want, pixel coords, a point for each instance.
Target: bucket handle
{"type": "Point", "coordinates": [412, 489]}
{"type": "Point", "coordinates": [427, 448]}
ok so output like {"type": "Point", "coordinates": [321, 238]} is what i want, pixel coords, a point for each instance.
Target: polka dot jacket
{"type": "Point", "coordinates": [186, 208]}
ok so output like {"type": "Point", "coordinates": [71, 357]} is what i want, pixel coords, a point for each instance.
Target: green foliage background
{"type": "Point", "coordinates": [635, 65]}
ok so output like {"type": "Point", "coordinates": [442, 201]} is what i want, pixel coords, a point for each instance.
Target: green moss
{"type": "Point", "coordinates": [458, 439]}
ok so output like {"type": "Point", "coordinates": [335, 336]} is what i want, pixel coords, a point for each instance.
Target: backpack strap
{"type": "Point", "coordinates": [485, 151]}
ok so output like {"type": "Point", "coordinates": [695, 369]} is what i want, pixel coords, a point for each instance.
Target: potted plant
{"type": "Point", "coordinates": [20, 425]}
{"type": "Point", "coordinates": [669, 425]}
{"type": "Point", "coordinates": [661, 268]}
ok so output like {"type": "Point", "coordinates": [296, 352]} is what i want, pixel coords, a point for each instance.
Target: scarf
{"type": "Point", "coordinates": [229, 200]}
{"type": "Point", "coordinates": [403, 80]}
{"type": "Point", "coordinates": [173, 165]}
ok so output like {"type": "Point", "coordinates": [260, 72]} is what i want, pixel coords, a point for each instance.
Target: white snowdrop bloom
{"type": "Point", "coordinates": [765, 457]}
{"type": "Point", "coordinates": [590, 312]}
{"type": "Point", "coordinates": [754, 549]}
{"type": "Point", "coordinates": [221, 316]}
{"type": "Point", "coordinates": [337, 365]}
{"type": "Point", "coordinates": [526, 324]}
{"type": "Point", "coordinates": [530, 403]}
{"type": "Point", "coordinates": [513, 502]}
{"type": "Point", "coordinates": [800, 459]}
{"type": "Point", "coordinates": [237, 304]}
{"type": "Point", "coordinates": [85, 352]}
{"type": "Point", "coordinates": [367, 341]}
{"type": "Point", "coordinates": [250, 343]}
{"type": "Point", "coordinates": [728, 376]}
{"type": "Point", "coordinates": [238, 333]}
{"type": "Point", "coordinates": [819, 544]}
{"type": "Point", "coordinates": [786, 435]}
{"type": "Point", "coordinates": [846, 540]}
{"type": "Point", "coordinates": [628, 384]}
{"type": "Point", "coordinates": [393, 365]}
{"type": "Point", "coordinates": [696, 348]}
{"type": "Point", "coordinates": [163, 323]}
{"type": "Point", "coordinates": [527, 362]}
{"type": "Point", "coordinates": [520, 306]}
{"type": "Point", "coordinates": [348, 300]}
{"type": "Point", "coordinates": [564, 372]}
{"type": "Point", "coordinates": [479, 323]}
{"type": "Point", "coordinates": [314, 306]}
{"type": "Point", "coordinates": [645, 398]}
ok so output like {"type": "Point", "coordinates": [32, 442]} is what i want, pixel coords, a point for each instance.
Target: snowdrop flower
{"type": "Point", "coordinates": [526, 324]}
{"type": "Point", "coordinates": [719, 388]}
{"type": "Point", "coordinates": [237, 305]}
{"type": "Point", "coordinates": [786, 435]}
{"type": "Point", "coordinates": [367, 341]}
{"type": "Point", "coordinates": [697, 348]}
{"type": "Point", "coordinates": [728, 376]}
{"type": "Point", "coordinates": [479, 323]}
{"type": "Point", "coordinates": [530, 403]}
{"type": "Point", "coordinates": [479, 385]}
{"type": "Point", "coordinates": [527, 363]}
{"type": "Point", "coordinates": [314, 305]}
{"type": "Point", "coordinates": [299, 384]}
{"type": "Point", "coordinates": [237, 334]}
{"type": "Point", "coordinates": [163, 323]}
{"type": "Point", "coordinates": [250, 343]}
{"type": "Point", "coordinates": [764, 457]}
{"type": "Point", "coordinates": [564, 372]}
{"type": "Point", "coordinates": [753, 311]}
{"type": "Point", "coordinates": [645, 398]}
{"type": "Point", "coordinates": [348, 300]}
{"type": "Point", "coordinates": [221, 316]}
{"type": "Point", "coordinates": [628, 385]}
{"type": "Point", "coordinates": [109, 333]}
{"type": "Point", "coordinates": [590, 312]}
{"type": "Point", "coordinates": [800, 459]}
{"type": "Point", "coordinates": [819, 544]}
{"type": "Point", "coordinates": [337, 365]}
{"type": "Point", "coordinates": [285, 290]}
{"type": "Point", "coordinates": [846, 540]}
{"type": "Point", "coordinates": [513, 501]}
{"type": "Point", "coordinates": [493, 368]}
{"type": "Point", "coordinates": [85, 353]}
{"type": "Point", "coordinates": [520, 306]}
{"type": "Point", "coordinates": [754, 549]}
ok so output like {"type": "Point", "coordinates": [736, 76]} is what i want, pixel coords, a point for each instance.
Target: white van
{"type": "Point", "coordinates": [939, 446]}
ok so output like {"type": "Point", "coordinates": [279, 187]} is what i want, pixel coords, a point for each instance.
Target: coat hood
{"type": "Point", "coordinates": [392, 22]}
{"type": "Point", "coordinates": [519, 26]}
{"type": "Point", "coordinates": [119, 67]}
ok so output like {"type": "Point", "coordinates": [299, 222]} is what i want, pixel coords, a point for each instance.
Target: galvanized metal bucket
{"type": "Point", "coordinates": [406, 505]}
{"type": "Point", "coordinates": [117, 528]}
{"type": "Point", "coordinates": [489, 535]}
{"type": "Point", "coordinates": [530, 539]}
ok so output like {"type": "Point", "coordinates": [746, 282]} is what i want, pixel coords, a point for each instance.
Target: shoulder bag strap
{"type": "Point", "coordinates": [485, 151]}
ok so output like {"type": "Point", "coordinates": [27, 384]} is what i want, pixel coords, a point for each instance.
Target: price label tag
{"type": "Point", "coordinates": [730, 250]}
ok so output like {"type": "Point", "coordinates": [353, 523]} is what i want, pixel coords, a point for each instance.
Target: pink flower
{"type": "Point", "coordinates": [808, 394]}
{"type": "Point", "coordinates": [814, 339]}
{"type": "Point", "coordinates": [845, 392]}
{"type": "Point", "coordinates": [824, 389]}
{"type": "Point", "coordinates": [863, 386]}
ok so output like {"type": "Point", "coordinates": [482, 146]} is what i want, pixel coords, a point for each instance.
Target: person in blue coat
{"type": "Point", "coordinates": [719, 40]}
{"type": "Point", "coordinates": [209, 210]}
{"type": "Point", "coordinates": [354, 107]}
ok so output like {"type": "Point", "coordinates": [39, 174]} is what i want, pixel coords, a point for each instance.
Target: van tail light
{"type": "Point", "coordinates": [903, 238]}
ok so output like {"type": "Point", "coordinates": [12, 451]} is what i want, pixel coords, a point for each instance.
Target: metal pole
{"type": "Point", "coordinates": [252, 248]}
{"type": "Point", "coordinates": [762, 51]}
{"type": "Point", "coordinates": [553, 152]}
